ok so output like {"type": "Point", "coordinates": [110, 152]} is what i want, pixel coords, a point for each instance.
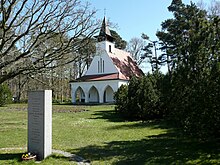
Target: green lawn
{"type": "Point", "coordinates": [96, 133]}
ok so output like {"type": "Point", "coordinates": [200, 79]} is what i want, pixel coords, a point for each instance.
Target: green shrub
{"type": "Point", "coordinates": [149, 97]}
{"type": "Point", "coordinates": [121, 99]}
{"type": "Point", "coordinates": [5, 94]}
{"type": "Point", "coordinates": [141, 99]}
{"type": "Point", "coordinates": [195, 103]}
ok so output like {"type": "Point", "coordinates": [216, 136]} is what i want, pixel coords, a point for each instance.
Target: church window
{"type": "Point", "coordinates": [103, 67]}
{"type": "Point", "coordinates": [110, 48]}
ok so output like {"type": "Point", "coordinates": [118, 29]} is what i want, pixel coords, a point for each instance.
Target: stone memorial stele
{"type": "Point", "coordinates": [40, 123]}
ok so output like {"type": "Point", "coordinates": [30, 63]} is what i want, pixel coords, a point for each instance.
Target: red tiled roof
{"type": "Point", "coordinates": [113, 76]}
{"type": "Point", "coordinates": [125, 65]}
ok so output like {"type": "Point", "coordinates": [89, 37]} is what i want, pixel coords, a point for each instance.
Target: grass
{"type": "Point", "coordinates": [96, 133]}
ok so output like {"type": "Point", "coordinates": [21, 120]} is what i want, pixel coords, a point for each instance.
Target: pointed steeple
{"type": "Point", "coordinates": [104, 34]}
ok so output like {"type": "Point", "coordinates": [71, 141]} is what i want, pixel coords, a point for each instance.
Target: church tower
{"type": "Point", "coordinates": [105, 39]}
{"type": "Point", "coordinates": [104, 34]}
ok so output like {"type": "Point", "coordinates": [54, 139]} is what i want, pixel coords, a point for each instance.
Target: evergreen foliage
{"type": "Point", "coordinates": [140, 100]}
{"type": "Point", "coordinates": [189, 95]}
{"type": "Point", "coordinates": [121, 99]}
{"type": "Point", "coordinates": [119, 42]}
{"type": "Point", "coordinates": [194, 48]}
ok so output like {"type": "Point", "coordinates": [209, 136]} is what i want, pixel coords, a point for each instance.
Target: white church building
{"type": "Point", "coordinates": [109, 69]}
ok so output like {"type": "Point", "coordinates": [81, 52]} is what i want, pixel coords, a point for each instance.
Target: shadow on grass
{"type": "Point", "coordinates": [11, 156]}
{"type": "Point", "coordinates": [112, 116]}
{"type": "Point", "coordinates": [109, 115]}
{"type": "Point", "coordinates": [166, 148]}
{"type": "Point", "coordinates": [58, 157]}
{"type": "Point", "coordinates": [153, 124]}
{"type": "Point", "coordinates": [169, 148]}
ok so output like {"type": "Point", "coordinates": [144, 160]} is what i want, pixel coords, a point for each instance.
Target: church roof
{"type": "Point", "coordinates": [104, 28]}
{"type": "Point", "coordinates": [111, 76]}
{"type": "Point", "coordinates": [104, 34]}
{"type": "Point", "coordinates": [125, 65]}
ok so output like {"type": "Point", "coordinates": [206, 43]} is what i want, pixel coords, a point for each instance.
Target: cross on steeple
{"type": "Point", "coordinates": [104, 12]}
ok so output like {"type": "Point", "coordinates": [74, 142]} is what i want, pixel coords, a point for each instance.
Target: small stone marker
{"type": "Point", "coordinates": [40, 123]}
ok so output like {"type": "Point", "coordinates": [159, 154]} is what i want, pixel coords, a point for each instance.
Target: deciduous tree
{"type": "Point", "coordinates": [135, 47]}
{"type": "Point", "coordinates": [27, 25]}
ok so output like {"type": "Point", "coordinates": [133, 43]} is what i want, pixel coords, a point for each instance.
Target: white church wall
{"type": "Point", "coordinates": [120, 83]}
{"type": "Point", "coordinates": [105, 46]}
{"type": "Point", "coordinates": [93, 66]}
{"type": "Point", "coordinates": [102, 63]}
{"type": "Point", "coordinates": [99, 85]}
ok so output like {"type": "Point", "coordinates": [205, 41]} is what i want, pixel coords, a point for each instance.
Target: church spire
{"type": "Point", "coordinates": [104, 34]}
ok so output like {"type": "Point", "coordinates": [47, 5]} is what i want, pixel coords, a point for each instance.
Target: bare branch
{"type": "Point", "coordinates": [39, 34]}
